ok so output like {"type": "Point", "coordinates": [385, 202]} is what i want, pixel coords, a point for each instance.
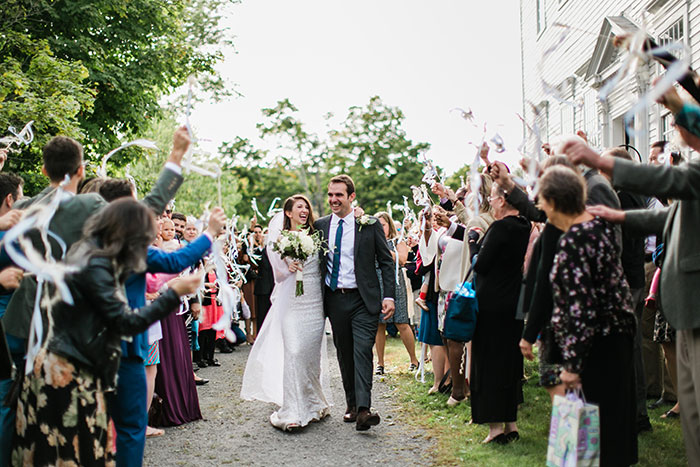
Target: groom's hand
{"type": "Point", "coordinates": [387, 309]}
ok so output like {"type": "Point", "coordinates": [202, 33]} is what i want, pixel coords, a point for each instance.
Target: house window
{"type": "Point", "coordinates": [675, 33]}
{"type": "Point", "coordinates": [668, 131]}
{"type": "Point", "coordinates": [541, 18]}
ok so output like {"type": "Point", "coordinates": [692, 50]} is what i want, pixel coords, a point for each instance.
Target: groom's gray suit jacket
{"type": "Point", "coordinates": [370, 244]}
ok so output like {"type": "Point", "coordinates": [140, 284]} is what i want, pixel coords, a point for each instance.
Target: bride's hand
{"type": "Point", "coordinates": [295, 266]}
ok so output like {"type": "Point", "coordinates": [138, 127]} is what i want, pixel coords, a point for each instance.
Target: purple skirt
{"type": "Point", "coordinates": [175, 378]}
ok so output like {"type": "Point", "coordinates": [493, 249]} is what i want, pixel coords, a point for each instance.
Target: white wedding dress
{"type": "Point", "coordinates": [285, 364]}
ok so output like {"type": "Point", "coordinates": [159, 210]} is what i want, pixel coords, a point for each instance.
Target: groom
{"type": "Point", "coordinates": [352, 299]}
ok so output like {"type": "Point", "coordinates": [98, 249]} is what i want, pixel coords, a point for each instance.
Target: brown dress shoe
{"type": "Point", "coordinates": [366, 419]}
{"type": "Point", "coordinates": [350, 415]}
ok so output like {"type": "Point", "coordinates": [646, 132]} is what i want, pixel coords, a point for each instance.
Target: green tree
{"type": "Point", "coordinates": [300, 149]}
{"type": "Point", "coordinates": [197, 191]}
{"type": "Point", "coordinates": [378, 155]}
{"type": "Point", "coordinates": [104, 64]}
{"type": "Point", "coordinates": [36, 85]}
{"type": "Point", "coordinates": [258, 178]}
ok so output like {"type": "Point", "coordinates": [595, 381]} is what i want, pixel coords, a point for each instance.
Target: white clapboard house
{"type": "Point", "coordinates": [580, 58]}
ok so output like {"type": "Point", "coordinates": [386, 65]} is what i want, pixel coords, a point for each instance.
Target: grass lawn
{"type": "Point", "coordinates": [459, 443]}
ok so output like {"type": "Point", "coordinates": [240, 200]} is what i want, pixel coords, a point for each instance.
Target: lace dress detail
{"type": "Point", "coordinates": [284, 366]}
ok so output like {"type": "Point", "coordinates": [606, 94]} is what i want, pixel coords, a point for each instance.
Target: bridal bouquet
{"type": "Point", "coordinates": [298, 245]}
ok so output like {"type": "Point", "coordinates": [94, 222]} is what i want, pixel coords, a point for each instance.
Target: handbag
{"type": "Point", "coordinates": [574, 433]}
{"type": "Point", "coordinates": [460, 317]}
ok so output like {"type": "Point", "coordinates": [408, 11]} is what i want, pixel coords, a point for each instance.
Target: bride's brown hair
{"type": "Point", "coordinates": [289, 204]}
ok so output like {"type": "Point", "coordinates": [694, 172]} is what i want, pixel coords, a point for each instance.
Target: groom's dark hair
{"type": "Point", "coordinates": [345, 179]}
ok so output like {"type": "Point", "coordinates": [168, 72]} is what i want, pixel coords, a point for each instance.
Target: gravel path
{"type": "Point", "coordinates": [237, 432]}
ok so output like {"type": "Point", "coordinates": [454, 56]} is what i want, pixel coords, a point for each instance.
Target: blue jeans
{"type": "Point", "coordinates": [128, 410]}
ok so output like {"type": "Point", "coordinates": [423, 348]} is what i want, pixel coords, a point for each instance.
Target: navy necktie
{"type": "Point", "coordinates": [336, 255]}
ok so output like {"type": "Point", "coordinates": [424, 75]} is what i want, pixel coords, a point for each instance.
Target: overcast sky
{"type": "Point", "coordinates": [327, 55]}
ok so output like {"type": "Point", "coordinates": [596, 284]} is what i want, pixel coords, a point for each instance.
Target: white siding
{"type": "Point", "coordinates": [573, 54]}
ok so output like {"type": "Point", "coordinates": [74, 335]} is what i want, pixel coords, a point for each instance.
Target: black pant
{"type": "Point", "coordinates": [354, 332]}
{"type": "Point", "coordinates": [608, 380]}
{"type": "Point", "coordinates": [262, 306]}
{"type": "Point", "coordinates": [207, 341]}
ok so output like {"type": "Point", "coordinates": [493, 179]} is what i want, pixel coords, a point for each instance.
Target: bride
{"type": "Point", "coordinates": [284, 366]}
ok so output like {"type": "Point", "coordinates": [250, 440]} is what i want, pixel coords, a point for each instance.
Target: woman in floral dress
{"type": "Point", "coordinates": [593, 319]}
{"type": "Point", "coordinates": [62, 417]}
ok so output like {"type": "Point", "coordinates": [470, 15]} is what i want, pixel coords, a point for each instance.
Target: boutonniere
{"type": "Point", "coordinates": [365, 220]}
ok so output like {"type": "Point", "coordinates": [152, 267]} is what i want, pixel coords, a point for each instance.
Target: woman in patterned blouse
{"type": "Point", "coordinates": [593, 321]}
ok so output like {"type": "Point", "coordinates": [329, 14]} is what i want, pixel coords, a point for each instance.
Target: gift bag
{"type": "Point", "coordinates": [574, 432]}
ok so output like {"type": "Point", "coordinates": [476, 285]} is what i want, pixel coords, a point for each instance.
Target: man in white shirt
{"type": "Point", "coordinates": [352, 297]}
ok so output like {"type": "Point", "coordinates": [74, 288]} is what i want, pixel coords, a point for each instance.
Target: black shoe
{"type": "Point", "coordinates": [202, 364]}
{"type": "Point", "coordinates": [350, 415]}
{"type": "Point", "coordinates": [644, 425]}
{"type": "Point", "coordinates": [201, 381]}
{"type": "Point", "coordinates": [658, 403]}
{"type": "Point", "coordinates": [512, 436]}
{"type": "Point", "coordinates": [214, 362]}
{"type": "Point", "coordinates": [224, 347]}
{"type": "Point", "coordinates": [500, 439]}
{"type": "Point", "coordinates": [366, 419]}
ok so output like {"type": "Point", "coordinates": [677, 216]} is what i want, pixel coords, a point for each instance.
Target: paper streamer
{"type": "Point", "coordinates": [271, 211]}
{"type": "Point", "coordinates": [226, 292]}
{"type": "Point", "coordinates": [254, 205]}
{"type": "Point", "coordinates": [18, 138]}
{"type": "Point", "coordinates": [143, 143]}
{"type": "Point", "coordinates": [43, 267]}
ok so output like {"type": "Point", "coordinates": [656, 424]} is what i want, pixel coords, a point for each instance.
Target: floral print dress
{"type": "Point", "coordinates": [61, 417]}
{"type": "Point", "coordinates": [591, 295]}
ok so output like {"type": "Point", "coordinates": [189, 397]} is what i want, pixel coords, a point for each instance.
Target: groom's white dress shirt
{"type": "Point", "coordinates": [346, 276]}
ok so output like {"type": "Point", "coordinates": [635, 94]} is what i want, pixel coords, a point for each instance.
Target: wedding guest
{"type": "Point", "coordinates": [428, 332]}
{"type": "Point", "coordinates": [64, 156]}
{"type": "Point", "coordinates": [212, 311]}
{"type": "Point", "coordinates": [10, 191]}
{"type": "Point", "coordinates": [265, 281]}
{"type": "Point", "coordinates": [497, 365]}
{"type": "Point", "coordinates": [633, 267]}
{"type": "Point", "coordinates": [128, 406]}
{"type": "Point", "coordinates": [179, 221]}
{"type": "Point", "coordinates": [593, 318]}
{"type": "Point", "coordinates": [76, 366]}
{"type": "Point", "coordinates": [399, 252]}
{"type": "Point", "coordinates": [469, 236]}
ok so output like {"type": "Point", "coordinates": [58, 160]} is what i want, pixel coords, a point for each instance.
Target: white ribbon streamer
{"type": "Point", "coordinates": [144, 143]}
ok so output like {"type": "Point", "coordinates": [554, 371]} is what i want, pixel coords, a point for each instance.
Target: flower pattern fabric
{"type": "Point", "coordinates": [591, 295]}
{"type": "Point", "coordinates": [61, 417]}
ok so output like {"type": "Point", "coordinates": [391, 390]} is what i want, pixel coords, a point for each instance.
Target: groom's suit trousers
{"type": "Point", "coordinates": [354, 332]}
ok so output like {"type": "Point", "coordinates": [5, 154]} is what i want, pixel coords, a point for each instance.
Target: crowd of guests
{"type": "Point", "coordinates": [120, 359]}
{"type": "Point", "coordinates": [597, 273]}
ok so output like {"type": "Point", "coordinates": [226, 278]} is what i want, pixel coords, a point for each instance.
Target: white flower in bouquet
{"type": "Point", "coordinates": [308, 245]}
{"type": "Point", "coordinates": [298, 246]}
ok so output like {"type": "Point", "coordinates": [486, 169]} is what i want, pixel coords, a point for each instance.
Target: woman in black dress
{"type": "Point", "coordinates": [497, 364]}
{"type": "Point", "coordinates": [593, 318]}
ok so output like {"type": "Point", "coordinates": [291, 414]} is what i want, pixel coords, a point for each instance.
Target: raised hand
{"type": "Point", "coordinates": [500, 175]}
{"type": "Point", "coordinates": [187, 285]}
{"type": "Point", "coordinates": [439, 189]}
{"type": "Point", "coordinates": [10, 219]}
{"type": "Point", "coordinates": [10, 277]}
{"type": "Point", "coordinates": [3, 157]}
{"type": "Point", "coordinates": [615, 216]}
{"type": "Point", "coordinates": [217, 221]}
{"type": "Point", "coordinates": [181, 143]}
{"type": "Point", "coordinates": [484, 153]}
{"type": "Point", "coordinates": [579, 152]}
{"type": "Point", "coordinates": [442, 219]}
